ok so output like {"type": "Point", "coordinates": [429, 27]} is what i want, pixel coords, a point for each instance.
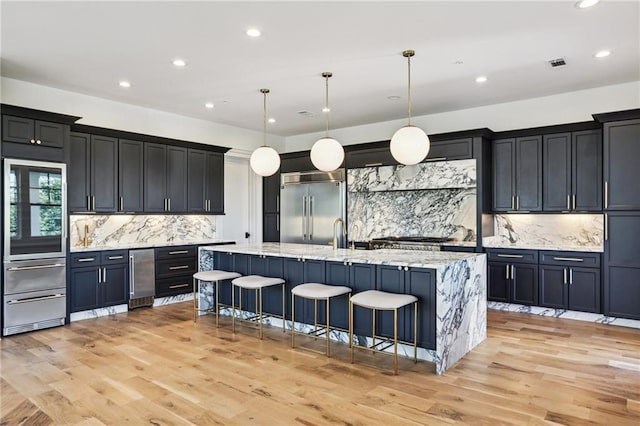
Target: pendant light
{"type": "Point", "coordinates": [265, 160]}
{"type": "Point", "coordinates": [410, 144]}
{"type": "Point", "coordinates": [327, 154]}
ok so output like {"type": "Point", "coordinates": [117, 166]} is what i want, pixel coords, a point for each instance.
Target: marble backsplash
{"type": "Point", "coordinates": [553, 230]}
{"type": "Point", "coordinates": [429, 199]}
{"type": "Point", "coordinates": [112, 231]}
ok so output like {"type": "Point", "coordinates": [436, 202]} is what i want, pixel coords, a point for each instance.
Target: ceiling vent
{"type": "Point", "coordinates": [558, 62]}
{"type": "Point", "coordinates": [305, 113]}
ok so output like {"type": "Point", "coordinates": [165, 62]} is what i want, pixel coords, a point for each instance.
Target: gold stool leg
{"type": "Point", "coordinates": [351, 328]}
{"type": "Point", "coordinates": [260, 310]}
{"type": "Point", "coordinates": [293, 320]}
{"type": "Point", "coordinates": [283, 310]}
{"type": "Point", "coordinates": [395, 342]}
{"type": "Point", "coordinates": [195, 305]}
{"type": "Point", "coordinates": [233, 308]}
{"type": "Point", "coordinates": [415, 332]}
{"type": "Point", "coordinates": [373, 333]}
{"type": "Point", "coordinates": [327, 301]}
{"type": "Point", "coordinates": [315, 318]}
{"type": "Point", "coordinates": [349, 314]}
{"type": "Point", "coordinates": [217, 296]}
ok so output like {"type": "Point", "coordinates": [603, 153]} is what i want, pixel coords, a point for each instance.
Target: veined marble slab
{"type": "Point", "coordinates": [431, 175]}
{"type": "Point", "coordinates": [129, 231]}
{"type": "Point", "coordinates": [97, 313]}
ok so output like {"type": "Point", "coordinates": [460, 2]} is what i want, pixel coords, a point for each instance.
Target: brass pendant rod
{"type": "Point", "coordinates": [326, 76]}
{"type": "Point", "coordinates": [408, 54]}
{"type": "Point", "coordinates": [264, 107]}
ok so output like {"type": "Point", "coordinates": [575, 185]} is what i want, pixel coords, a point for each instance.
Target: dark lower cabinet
{"type": "Point", "coordinates": [269, 266]}
{"type": "Point", "coordinates": [359, 277]}
{"type": "Point", "coordinates": [499, 286]}
{"type": "Point", "coordinates": [98, 279]}
{"type": "Point", "coordinates": [232, 262]}
{"type": "Point", "coordinates": [175, 267]}
{"type": "Point", "coordinates": [300, 271]}
{"type": "Point", "coordinates": [513, 276]}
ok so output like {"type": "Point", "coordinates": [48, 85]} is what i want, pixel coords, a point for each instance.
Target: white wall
{"type": "Point", "coordinates": [548, 110]}
{"type": "Point", "coordinates": [121, 116]}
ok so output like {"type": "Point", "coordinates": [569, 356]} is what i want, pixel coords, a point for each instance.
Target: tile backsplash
{"type": "Point", "coordinates": [112, 231]}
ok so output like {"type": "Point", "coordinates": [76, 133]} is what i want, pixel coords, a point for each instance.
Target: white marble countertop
{"type": "Point", "coordinates": [459, 243]}
{"type": "Point", "coordinates": [413, 258]}
{"type": "Point", "coordinates": [493, 242]}
{"type": "Point", "coordinates": [149, 245]}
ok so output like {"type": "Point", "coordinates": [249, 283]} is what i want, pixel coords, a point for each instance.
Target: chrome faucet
{"type": "Point", "coordinates": [335, 234]}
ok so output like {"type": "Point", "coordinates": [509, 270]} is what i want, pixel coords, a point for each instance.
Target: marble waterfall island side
{"type": "Point", "coordinates": [458, 283]}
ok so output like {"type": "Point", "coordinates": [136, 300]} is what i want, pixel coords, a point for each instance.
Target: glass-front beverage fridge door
{"type": "Point", "coordinates": [35, 210]}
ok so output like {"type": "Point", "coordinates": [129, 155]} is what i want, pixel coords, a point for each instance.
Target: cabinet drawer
{"type": "Point", "coordinates": [570, 258]}
{"type": "Point", "coordinates": [512, 256]}
{"type": "Point", "coordinates": [82, 260]}
{"type": "Point", "coordinates": [114, 256]}
{"type": "Point", "coordinates": [177, 251]}
{"type": "Point", "coordinates": [173, 286]}
{"type": "Point", "coordinates": [172, 267]}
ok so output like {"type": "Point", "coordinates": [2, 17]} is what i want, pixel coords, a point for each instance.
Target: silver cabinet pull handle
{"type": "Point", "coordinates": [513, 202]}
{"type": "Point", "coordinates": [569, 259]}
{"type": "Point", "coordinates": [304, 217]}
{"type": "Point", "coordinates": [179, 252]}
{"type": "Point", "coordinates": [513, 272]}
{"type": "Point", "coordinates": [34, 299]}
{"type": "Point", "coordinates": [278, 223]}
{"type": "Point", "coordinates": [93, 203]}
{"type": "Point", "coordinates": [86, 259]}
{"type": "Point", "coordinates": [606, 226]}
{"type": "Point", "coordinates": [311, 218]}
{"type": "Point", "coordinates": [506, 268]}
{"type": "Point", "coordinates": [114, 257]}
{"type": "Point", "coordinates": [169, 203]}
{"type": "Point", "coordinates": [88, 203]}
{"type": "Point", "coordinates": [574, 201]}
{"type": "Point", "coordinates": [26, 268]}
{"type": "Point", "coordinates": [373, 164]}
{"type": "Point", "coordinates": [570, 276]}
{"type": "Point", "coordinates": [564, 273]}
{"type": "Point", "coordinates": [178, 285]}
{"type": "Point", "coordinates": [436, 159]}
{"type": "Point", "coordinates": [568, 202]}
{"type": "Point", "coordinates": [515, 256]}
{"type": "Point", "coordinates": [606, 194]}
{"type": "Point", "coordinates": [277, 203]}
{"type": "Point", "coordinates": [99, 275]}
{"type": "Point", "coordinates": [121, 203]}
{"type": "Point", "coordinates": [104, 275]}
{"type": "Point", "coordinates": [517, 202]}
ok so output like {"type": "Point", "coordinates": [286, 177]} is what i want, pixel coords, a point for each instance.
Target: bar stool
{"type": "Point", "coordinates": [257, 283]}
{"type": "Point", "coordinates": [209, 276]}
{"type": "Point", "coordinates": [315, 292]}
{"type": "Point", "coordinates": [383, 301]}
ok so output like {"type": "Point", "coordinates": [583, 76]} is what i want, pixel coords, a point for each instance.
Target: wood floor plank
{"type": "Point", "coordinates": [155, 366]}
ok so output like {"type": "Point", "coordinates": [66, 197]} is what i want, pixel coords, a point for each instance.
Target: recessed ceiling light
{"type": "Point", "coordinates": [254, 32]}
{"type": "Point", "coordinates": [179, 62]}
{"type": "Point", "coordinates": [481, 79]}
{"type": "Point", "coordinates": [393, 98]}
{"type": "Point", "coordinates": [326, 109]}
{"type": "Point", "coordinates": [125, 83]}
{"type": "Point", "coordinates": [583, 4]}
{"type": "Point", "coordinates": [209, 105]}
{"type": "Point", "coordinates": [272, 120]}
{"type": "Point", "coordinates": [602, 54]}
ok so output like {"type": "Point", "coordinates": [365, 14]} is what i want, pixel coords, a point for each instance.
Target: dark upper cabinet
{"type": "Point", "coordinates": [165, 178]}
{"type": "Point", "coordinates": [456, 149]}
{"type": "Point", "coordinates": [369, 157]}
{"type": "Point", "coordinates": [621, 171]}
{"type": "Point", "coordinates": [93, 173]}
{"type": "Point", "coordinates": [205, 182]}
{"type": "Point", "coordinates": [572, 167]}
{"type": "Point", "coordinates": [32, 132]}
{"type": "Point", "coordinates": [622, 265]}
{"type": "Point", "coordinates": [271, 227]}
{"type": "Point", "coordinates": [130, 176]}
{"type": "Point", "coordinates": [271, 208]}
{"type": "Point", "coordinates": [517, 174]}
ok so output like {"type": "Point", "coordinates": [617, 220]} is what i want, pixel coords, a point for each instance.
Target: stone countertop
{"type": "Point", "coordinates": [413, 258]}
{"type": "Point", "coordinates": [493, 242]}
{"type": "Point", "coordinates": [141, 245]}
{"type": "Point", "coordinates": [458, 243]}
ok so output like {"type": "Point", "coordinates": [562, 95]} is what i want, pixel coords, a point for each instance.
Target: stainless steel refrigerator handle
{"type": "Point", "coordinates": [132, 283]}
{"type": "Point", "coordinates": [35, 299]}
{"type": "Point", "coordinates": [277, 203]}
{"type": "Point", "coordinates": [304, 217]}
{"type": "Point", "coordinates": [311, 217]}
{"type": "Point", "coordinates": [25, 268]}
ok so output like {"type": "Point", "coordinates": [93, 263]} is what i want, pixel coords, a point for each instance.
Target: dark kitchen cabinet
{"type": "Point", "coordinates": [32, 132]}
{"type": "Point", "coordinates": [130, 176]}
{"type": "Point", "coordinates": [271, 208]}
{"type": "Point", "coordinates": [233, 262]}
{"type": "Point", "coordinates": [300, 271]}
{"type": "Point", "coordinates": [165, 178]}
{"type": "Point", "coordinates": [269, 266]}
{"type": "Point", "coordinates": [359, 277]}
{"type": "Point", "coordinates": [570, 280]}
{"type": "Point", "coordinates": [572, 167]}
{"type": "Point", "coordinates": [93, 173]}
{"type": "Point", "coordinates": [513, 276]}
{"type": "Point", "coordinates": [622, 265]}
{"type": "Point", "coordinates": [621, 171]}
{"type": "Point", "coordinates": [205, 182]}
{"type": "Point", "coordinates": [517, 174]}
{"type": "Point", "coordinates": [375, 155]}
{"type": "Point", "coordinates": [175, 267]}
{"type": "Point", "coordinates": [98, 279]}
{"type": "Point", "coordinates": [457, 149]}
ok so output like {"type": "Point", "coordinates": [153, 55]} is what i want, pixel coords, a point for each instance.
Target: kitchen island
{"type": "Point", "coordinates": [451, 288]}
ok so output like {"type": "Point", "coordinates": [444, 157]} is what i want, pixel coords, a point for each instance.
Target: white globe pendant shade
{"type": "Point", "coordinates": [265, 161]}
{"type": "Point", "coordinates": [327, 154]}
{"type": "Point", "coordinates": [409, 145]}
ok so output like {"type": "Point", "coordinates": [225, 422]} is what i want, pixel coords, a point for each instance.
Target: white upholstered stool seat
{"type": "Point", "coordinates": [315, 292]}
{"type": "Point", "coordinates": [256, 283]}
{"type": "Point", "coordinates": [214, 276]}
{"type": "Point", "coordinates": [383, 301]}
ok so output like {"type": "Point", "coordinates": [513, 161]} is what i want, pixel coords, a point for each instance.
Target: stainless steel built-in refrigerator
{"type": "Point", "coordinates": [310, 204]}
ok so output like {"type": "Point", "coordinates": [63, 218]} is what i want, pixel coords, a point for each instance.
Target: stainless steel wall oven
{"type": "Point", "coordinates": [34, 250]}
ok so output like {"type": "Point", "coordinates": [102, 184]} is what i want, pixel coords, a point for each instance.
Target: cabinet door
{"type": "Point", "coordinates": [293, 275]}
{"type": "Point", "coordinates": [271, 193]}
{"type": "Point", "coordinates": [115, 284]}
{"type": "Point", "coordinates": [390, 279]}
{"type": "Point", "coordinates": [362, 277]}
{"type": "Point", "coordinates": [155, 176]}
{"type": "Point", "coordinates": [458, 149]}
{"type": "Point", "coordinates": [422, 284]}
{"type": "Point", "coordinates": [524, 284]}
{"type": "Point", "coordinates": [338, 273]}
{"type": "Point", "coordinates": [85, 293]}
{"type": "Point", "coordinates": [49, 134]}
{"type": "Point", "coordinates": [621, 171]}
{"type": "Point", "coordinates": [214, 182]}
{"type": "Point", "coordinates": [104, 173]}
{"type": "Point", "coordinates": [498, 282]}
{"type": "Point", "coordinates": [78, 174]}
{"type": "Point", "coordinates": [271, 227]}
{"type": "Point", "coordinates": [370, 157]}
{"type": "Point", "coordinates": [587, 170]}
{"type": "Point", "coordinates": [130, 176]}
{"type": "Point", "coordinates": [272, 296]}
{"type": "Point", "coordinates": [503, 174]}
{"type": "Point", "coordinates": [196, 181]}
{"type": "Point", "coordinates": [528, 168]}
{"type": "Point", "coordinates": [554, 291]}
{"type": "Point", "coordinates": [584, 289]}
{"type": "Point", "coordinates": [17, 129]}
{"type": "Point", "coordinates": [556, 179]}
{"type": "Point", "coordinates": [177, 179]}
{"type": "Point", "coordinates": [224, 262]}
{"type": "Point", "coordinates": [314, 272]}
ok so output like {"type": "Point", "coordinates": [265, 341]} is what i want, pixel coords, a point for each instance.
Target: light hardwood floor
{"type": "Point", "coordinates": [153, 366]}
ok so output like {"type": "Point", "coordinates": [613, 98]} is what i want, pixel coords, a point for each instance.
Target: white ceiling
{"type": "Point", "coordinates": [87, 47]}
